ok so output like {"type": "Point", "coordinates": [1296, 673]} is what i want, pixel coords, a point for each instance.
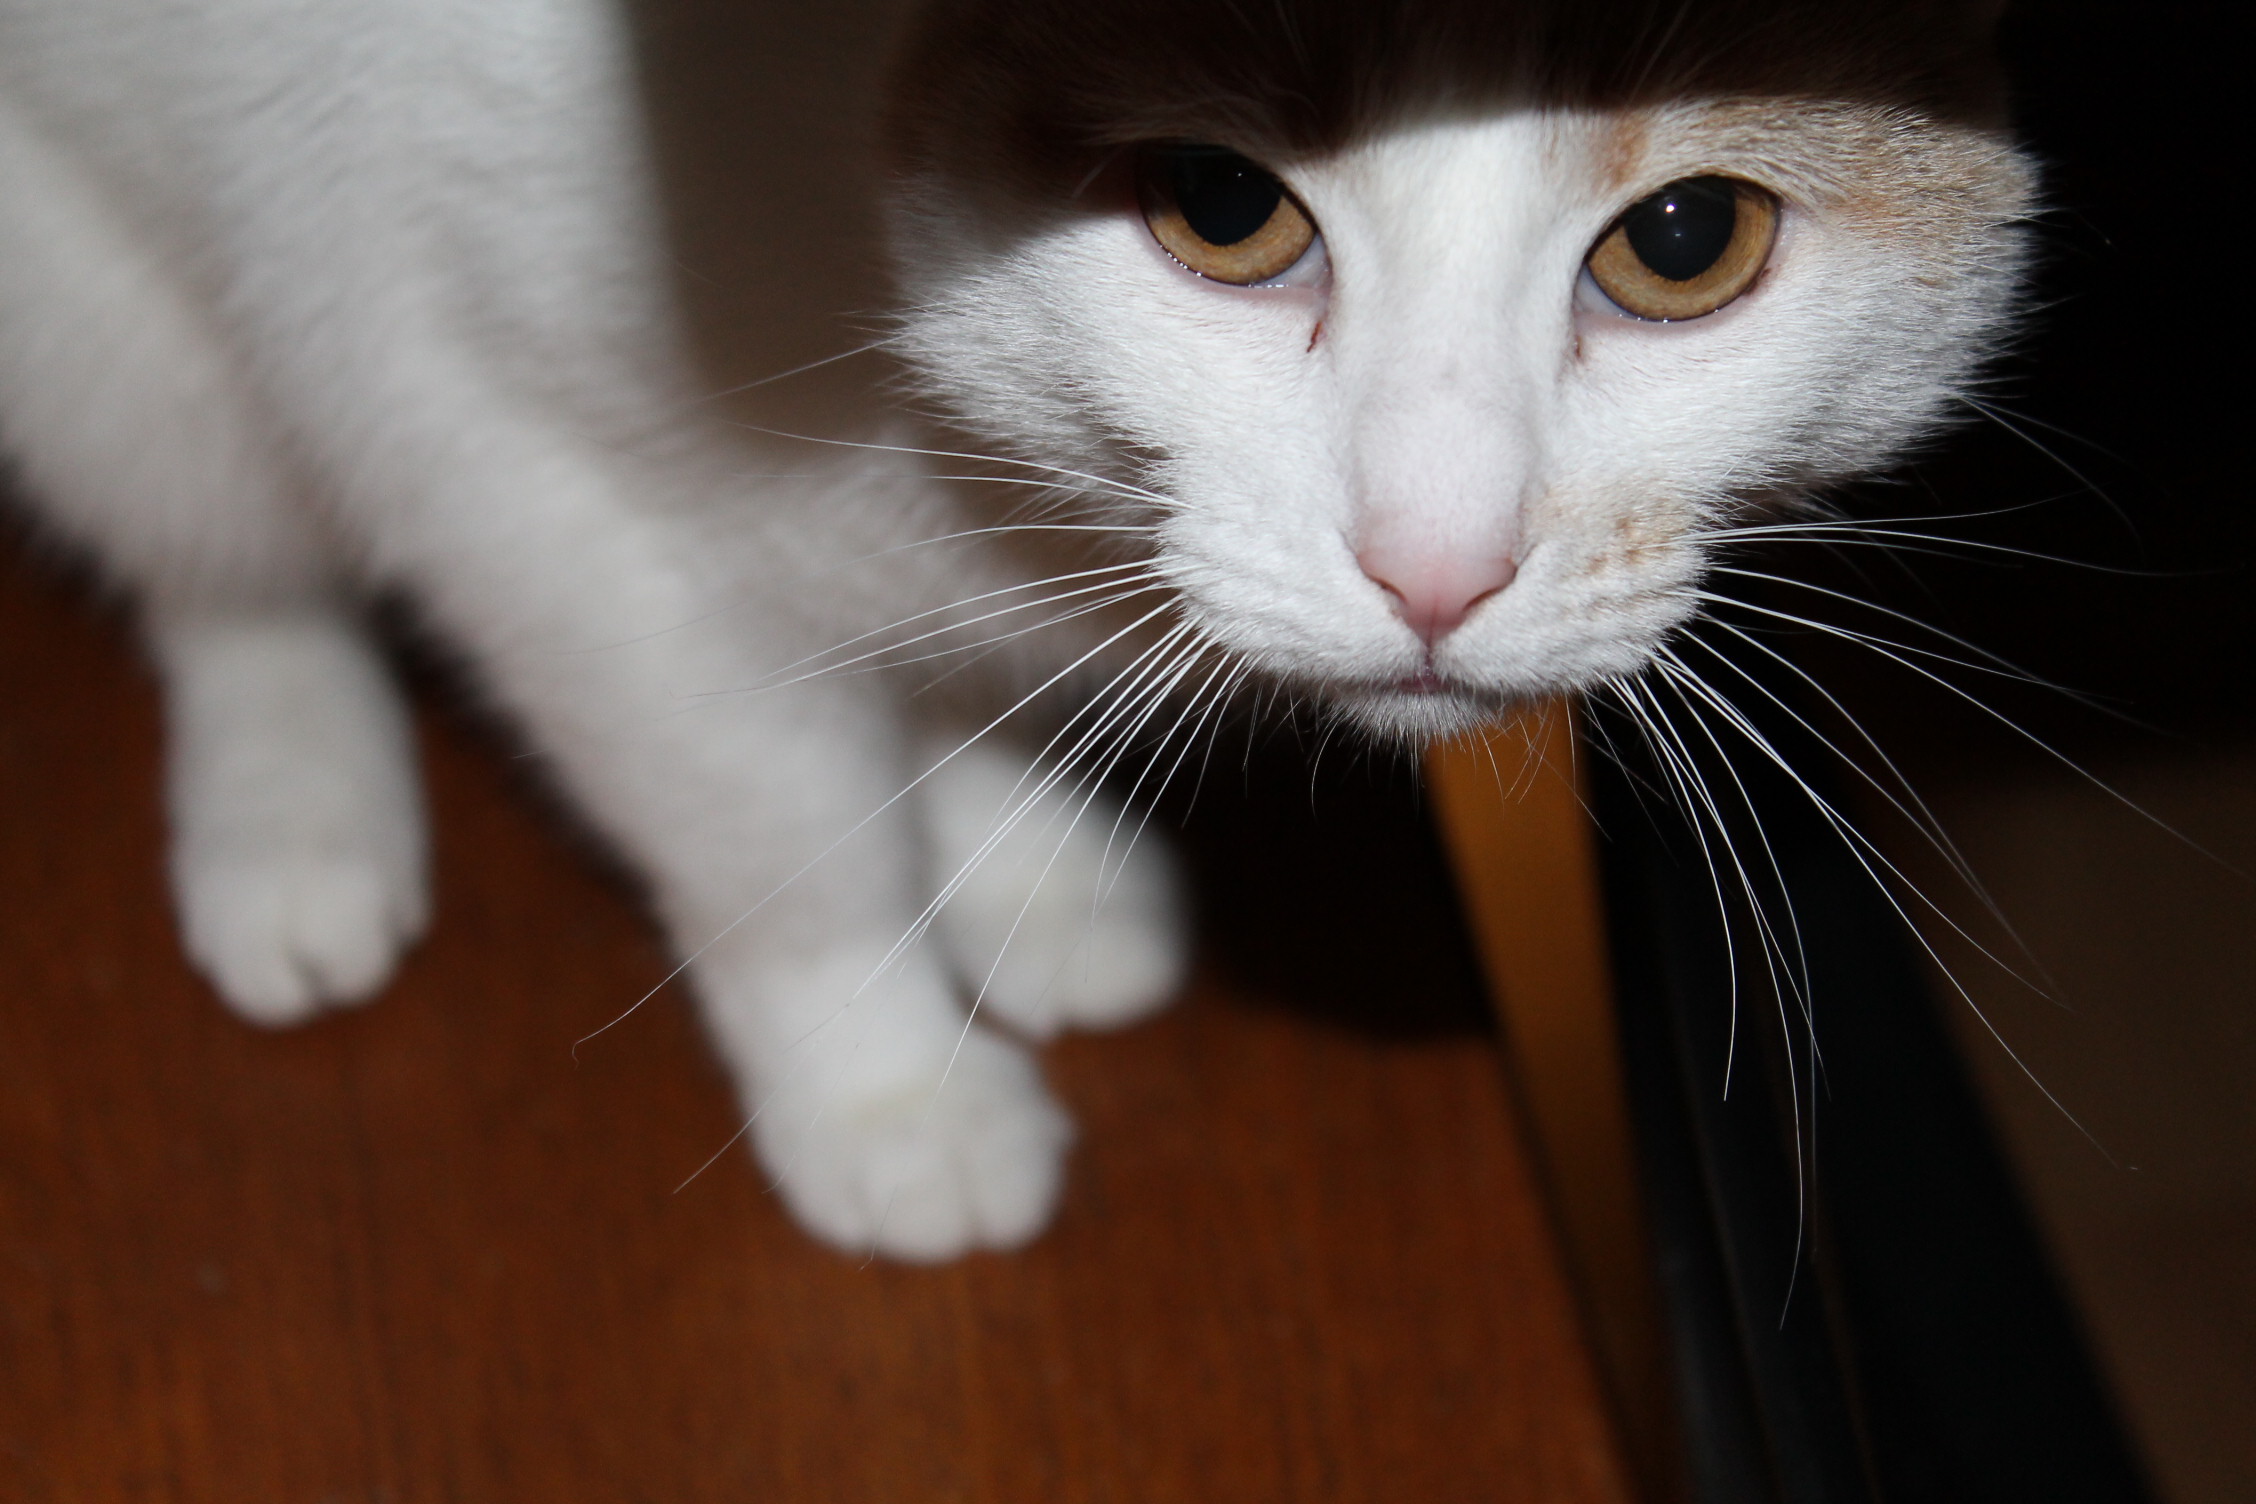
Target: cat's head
{"type": "Point", "coordinates": [1448, 333]}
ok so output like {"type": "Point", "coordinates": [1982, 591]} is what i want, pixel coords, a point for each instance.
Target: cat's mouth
{"type": "Point", "coordinates": [1416, 708]}
{"type": "Point", "coordinates": [1424, 682]}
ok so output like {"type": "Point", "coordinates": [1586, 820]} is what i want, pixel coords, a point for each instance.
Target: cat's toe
{"type": "Point", "coordinates": [923, 1165]}
{"type": "Point", "coordinates": [282, 936]}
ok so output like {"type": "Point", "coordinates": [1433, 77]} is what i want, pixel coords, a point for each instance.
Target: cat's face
{"type": "Point", "coordinates": [1446, 404]}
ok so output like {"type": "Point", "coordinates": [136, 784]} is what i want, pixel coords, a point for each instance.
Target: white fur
{"type": "Point", "coordinates": [297, 825]}
{"type": "Point", "coordinates": [1064, 916]}
{"type": "Point", "coordinates": [1441, 382]}
{"type": "Point", "coordinates": [303, 302]}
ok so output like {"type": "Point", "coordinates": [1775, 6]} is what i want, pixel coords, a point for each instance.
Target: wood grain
{"type": "Point", "coordinates": [418, 1253]}
{"type": "Point", "coordinates": [1525, 853]}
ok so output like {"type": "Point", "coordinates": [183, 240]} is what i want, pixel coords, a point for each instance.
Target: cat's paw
{"type": "Point", "coordinates": [281, 934]}
{"type": "Point", "coordinates": [919, 1163]}
{"type": "Point", "coordinates": [1074, 917]}
{"type": "Point", "coordinates": [297, 824]}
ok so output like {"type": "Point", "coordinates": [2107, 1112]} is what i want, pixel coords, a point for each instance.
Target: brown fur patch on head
{"type": "Point", "coordinates": [1622, 152]}
{"type": "Point", "coordinates": [1900, 177]}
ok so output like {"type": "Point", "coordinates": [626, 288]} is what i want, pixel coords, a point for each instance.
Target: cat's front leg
{"type": "Point", "coordinates": [771, 814]}
{"type": "Point", "coordinates": [888, 1120]}
{"type": "Point", "coordinates": [780, 837]}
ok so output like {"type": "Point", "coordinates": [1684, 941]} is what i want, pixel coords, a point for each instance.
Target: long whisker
{"type": "Point", "coordinates": [971, 1013]}
{"type": "Point", "coordinates": [985, 647]}
{"type": "Point", "coordinates": [1208, 700]}
{"type": "Point", "coordinates": [1996, 413]}
{"type": "Point", "coordinates": [1868, 857]}
{"type": "Point", "coordinates": [1087, 603]}
{"type": "Point", "coordinates": [1837, 533]}
{"type": "Point", "coordinates": [916, 933]}
{"type": "Point", "coordinates": [1899, 793]}
{"type": "Point", "coordinates": [1693, 690]}
{"type": "Point", "coordinates": [1793, 959]}
{"type": "Point", "coordinates": [1092, 780]}
{"type": "Point", "coordinates": [1057, 491]}
{"type": "Point", "coordinates": [1692, 795]}
{"type": "Point", "coordinates": [1102, 709]}
{"type": "Point", "coordinates": [801, 370]}
{"type": "Point", "coordinates": [1102, 482]}
{"type": "Point", "coordinates": [1197, 697]}
{"type": "Point", "coordinates": [800, 1046]}
{"type": "Point", "coordinates": [1161, 683]}
{"type": "Point", "coordinates": [1139, 529]}
{"type": "Point", "coordinates": [1230, 694]}
{"type": "Point", "coordinates": [1895, 653]}
{"type": "Point", "coordinates": [1680, 673]}
{"type": "Point", "coordinates": [1110, 575]}
{"type": "Point", "coordinates": [1993, 663]}
{"type": "Point", "coordinates": [730, 928]}
{"type": "Point", "coordinates": [1797, 989]}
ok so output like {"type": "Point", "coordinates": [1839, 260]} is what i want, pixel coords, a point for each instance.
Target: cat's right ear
{"type": "Point", "coordinates": [1986, 16]}
{"type": "Point", "coordinates": [1974, 23]}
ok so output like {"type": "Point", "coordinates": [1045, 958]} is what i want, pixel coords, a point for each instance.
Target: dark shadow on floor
{"type": "Point", "coordinates": [1322, 887]}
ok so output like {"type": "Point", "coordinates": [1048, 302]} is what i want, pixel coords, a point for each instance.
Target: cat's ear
{"type": "Point", "coordinates": [1978, 21]}
{"type": "Point", "coordinates": [1967, 37]}
{"type": "Point", "coordinates": [1936, 55]}
{"type": "Point", "coordinates": [1940, 21]}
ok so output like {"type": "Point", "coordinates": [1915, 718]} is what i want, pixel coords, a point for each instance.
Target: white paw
{"type": "Point", "coordinates": [282, 934]}
{"type": "Point", "coordinates": [918, 1162]}
{"type": "Point", "coordinates": [1072, 918]}
{"type": "Point", "coordinates": [297, 826]}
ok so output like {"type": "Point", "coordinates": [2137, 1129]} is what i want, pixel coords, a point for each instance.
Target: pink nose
{"type": "Point", "coordinates": [1434, 593]}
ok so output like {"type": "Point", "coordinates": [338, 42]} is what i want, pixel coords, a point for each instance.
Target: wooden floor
{"type": "Point", "coordinates": [417, 1253]}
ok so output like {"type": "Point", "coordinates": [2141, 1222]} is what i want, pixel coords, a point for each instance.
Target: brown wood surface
{"type": "Point", "coordinates": [1524, 849]}
{"type": "Point", "coordinates": [416, 1253]}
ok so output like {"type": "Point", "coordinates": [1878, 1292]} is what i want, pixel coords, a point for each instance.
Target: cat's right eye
{"type": "Point", "coordinates": [1687, 250]}
{"type": "Point", "coordinates": [1220, 215]}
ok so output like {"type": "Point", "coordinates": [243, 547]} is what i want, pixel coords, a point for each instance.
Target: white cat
{"type": "Point", "coordinates": [1404, 355]}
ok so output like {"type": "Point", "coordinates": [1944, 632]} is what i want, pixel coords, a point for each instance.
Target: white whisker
{"type": "Point", "coordinates": [1900, 795]}
{"type": "Point", "coordinates": [1879, 869]}
{"type": "Point", "coordinates": [1995, 664]}
{"type": "Point", "coordinates": [726, 392]}
{"type": "Point", "coordinates": [1137, 673]}
{"type": "Point", "coordinates": [1110, 577]}
{"type": "Point", "coordinates": [1895, 653]}
{"type": "Point", "coordinates": [1091, 780]}
{"type": "Point", "coordinates": [1105, 483]}
{"type": "Point", "coordinates": [1796, 987]}
{"type": "Point", "coordinates": [1134, 795]}
{"type": "Point", "coordinates": [733, 925]}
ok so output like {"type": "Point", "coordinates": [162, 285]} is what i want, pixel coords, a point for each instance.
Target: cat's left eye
{"type": "Point", "coordinates": [1686, 251]}
{"type": "Point", "coordinates": [1220, 215]}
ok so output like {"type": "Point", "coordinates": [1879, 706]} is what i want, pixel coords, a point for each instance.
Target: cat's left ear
{"type": "Point", "coordinates": [1960, 38]}
{"type": "Point", "coordinates": [1983, 18]}
{"type": "Point", "coordinates": [1965, 18]}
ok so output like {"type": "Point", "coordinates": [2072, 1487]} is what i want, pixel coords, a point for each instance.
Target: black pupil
{"type": "Point", "coordinates": [1684, 229]}
{"type": "Point", "coordinates": [1224, 198]}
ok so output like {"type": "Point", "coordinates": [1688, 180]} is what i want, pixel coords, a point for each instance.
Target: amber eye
{"type": "Point", "coordinates": [1220, 215]}
{"type": "Point", "coordinates": [1686, 250]}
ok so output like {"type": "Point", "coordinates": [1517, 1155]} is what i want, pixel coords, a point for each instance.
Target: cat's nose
{"type": "Point", "coordinates": [1435, 592]}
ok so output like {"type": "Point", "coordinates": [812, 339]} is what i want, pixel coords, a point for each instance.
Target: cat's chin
{"type": "Point", "coordinates": [1417, 712]}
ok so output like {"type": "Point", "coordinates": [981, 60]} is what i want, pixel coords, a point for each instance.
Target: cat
{"type": "Point", "coordinates": [1405, 357]}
